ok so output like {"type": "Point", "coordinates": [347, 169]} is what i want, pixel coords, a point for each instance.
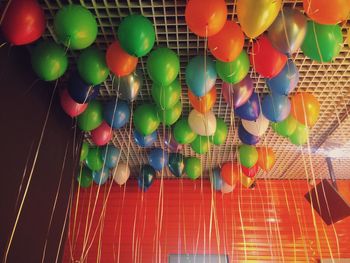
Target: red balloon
{"type": "Point", "coordinates": [71, 107]}
{"type": "Point", "coordinates": [118, 61]}
{"type": "Point", "coordinates": [230, 172]}
{"type": "Point", "coordinates": [24, 22]}
{"type": "Point", "coordinates": [102, 134]}
{"type": "Point", "coordinates": [250, 172]}
{"type": "Point", "coordinates": [265, 59]}
{"type": "Point", "coordinates": [205, 103]}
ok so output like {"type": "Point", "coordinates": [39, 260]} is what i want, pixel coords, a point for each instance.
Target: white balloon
{"type": "Point", "coordinates": [121, 173]}
{"type": "Point", "coordinates": [226, 188]}
{"type": "Point", "coordinates": [257, 127]}
{"type": "Point", "coordinates": [202, 123]}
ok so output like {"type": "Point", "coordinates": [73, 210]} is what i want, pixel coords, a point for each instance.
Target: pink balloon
{"type": "Point", "coordinates": [102, 134]}
{"type": "Point", "coordinates": [236, 95]}
{"type": "Point", "coordinates": [69, 106]}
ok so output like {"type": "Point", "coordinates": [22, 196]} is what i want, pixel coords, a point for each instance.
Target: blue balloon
{"type": "Point", "coordinates": [176, 164]}
{"type": "Point", "coordinates": [198, 82]}
{"type": "Point", "coordinates": [251, 109]}
{"type": "Point", "coordinates": [110, 155]}
{"type": "Point", "coordinates": [146, 177]}
{"type": "Point", "coordinates": [158, 159]}
{"type": "Point", "coordinates": [217, 179]}
{"type": "Point", "coordinates": [275, 107]}
{"type": "Point", "coordinates": [246, 137]}
{"type": "Point", "coordinates": [285, 82]}
{"type": "Point", "coordinates": [100, 177]}
{"type": "Point", "coordinates": [121, 113]}
{"type": "Point", "coordinates": [145, 141]}
{"type": "Point", "coordinates": [80, 91]}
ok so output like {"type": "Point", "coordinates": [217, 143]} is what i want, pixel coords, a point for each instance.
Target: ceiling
{"type": "Point", "coordinates": [329, 82]}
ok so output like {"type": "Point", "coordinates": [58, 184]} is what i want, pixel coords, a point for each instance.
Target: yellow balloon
{"type": "Point", "coordinates": [246, 181]}
{"type": "Point", "coordinates": [255, 16]}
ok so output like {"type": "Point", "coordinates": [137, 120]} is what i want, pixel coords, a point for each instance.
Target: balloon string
{"type": "Point", "coordinates": [5, 11]}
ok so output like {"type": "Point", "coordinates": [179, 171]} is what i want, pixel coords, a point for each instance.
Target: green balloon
{"type": "Point", "coordinates": [220, 134]}
{"type": "Point", "coordinates": [201, 144]}
{"type": "Point", "coordinates": [91, 118]}
{"type": "Point", "coordinates": [286, 127]}
{"type": "Point", "coordinates": [166, 96]}
{"type": "Point", "coordinates": [183, 133]}
{"type": "Point", "coordinates": [85, 178]}
{"type": "Point", "coordinates": [248, 155]}
{"type": "Point", "coordinates": [322, 42]}
{"type": "Point", "coordinates": [75, 26]}
{"type": "Point", "coordinates": [163, 66]}
{"type": "Point", "coordinates": [300, 135]}
{"type": "Point", "coordinates": [170, 116]}
{"type": "Point", "coordinates": [49, 60]}
{"type": "Point", "coordinates": [84, 151]}
{"type": "Point", "coordinates": [94, 159]}
{"type": "Point", "coordinates": [234, 71]}
{"type": "Point", "coordinates": [193, 167]}
{"type": "Point", "coordinates": [146, 119]}
{"type": "Point", "coordinates": [136, 35]}
{"type": "Point", "coordinates": [92, 66]}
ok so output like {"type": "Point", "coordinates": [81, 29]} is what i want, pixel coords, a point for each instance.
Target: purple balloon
{"type": "Point", "coordinates": [170, 143]}
{"type": "Point", "coordinates": [236, 95]}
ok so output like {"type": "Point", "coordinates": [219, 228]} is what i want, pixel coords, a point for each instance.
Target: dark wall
{"type": "Point", "coordinates": [24, 103]}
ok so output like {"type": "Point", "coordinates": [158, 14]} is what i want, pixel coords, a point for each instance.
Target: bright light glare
{"type": "Point", "coordinates": [338, 153]}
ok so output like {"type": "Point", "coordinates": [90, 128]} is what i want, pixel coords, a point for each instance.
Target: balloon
{"type": "Point", "coordinates": [275, 107]}
{"type": "Point", "coordinates": [91, 118]}
{"type": "Point", "coordinates": [226, 188]}
{"type": "Point", "coordinates": [100, 177]}
{"type": "Point", "coordinates": [285, 82]}
{"type": "Point", "coordinates": [216, 179]}
{"type": "Point", "coordinates": [84, 178]}
{"type": "Point", "coordinates": [246, 137]}
{"type": "Point", "coordinates": [23, 22]}
{"type": "Point", "coordinates": [257, 127]}
{"type": "Point", "coordinates": [202, 124]}
{"type": "Point", "coordinates": [166, 96]}
{"type": "Point", "coordinates": [200, 75]}
{"type": "Point", "coordinates": [200, 145]}
{"type": "Point", "coordinates": [205, 18]}
{"type": "Point", "coordinates": [145, 141]}
{"type": "Point", "coordinates": [250, 172]}
{"type": "Point", "coordinates": [327, 12]}
{"type": "Point", "coordinates": [238, 94]}
{"type": "Point", "coordinates": [170, 143]}
{"type": "Point", "coordinates": [146, 119]}
{"type": "Point", "coordinates": [116, 113]}
{"type": "Point", "coordinates": [286, 127]}
{"type": "Point", "coordinates": [80, 91]}
{"type": "Point", "coordinates": [49, 60]}
{"type": "Point", "coordinates": [75, 26]}
{"type": "Point", "coordinates": [128, 87]}
{"type": "Point", "coordinates": [163, 66]}
{"type": "Point", "coordinates": [94, 159]}
{"type": "Point", "coordinates": [288, 31]}
{"type": "Point", "coordinates": [92, 66]}
{"type": "Point", "coordinates": [158, 159]}
{"type": "Point", "coordinates": [205, 103]}
{"type": "Point", "coordinates": [183, 134]}
{"type": "Point", "coordinates": [228, 43]}
{"type": "Point", "coordinates": [322, 42]}
{"type": "Point", "coordinates": [176, 164]}
{"type": "Point", "coordinates": [193, 167]}
{"type": "Point", "coordinates": [118, 61]}
{"type": "Point", "coordinates": [265, 59]}
{"type": "Point", "coordinates": [234, 71]}
{"type": "Point", "coordinates": [251, 109]}
{"type": "Point", "coordinates": [121, 173]}
{"type": "Point", "coordinates": [220, 134]}
{"type": "Point", "coordinates": [146, 177]}
{"type": "Point", "coordinates": [102, 134]}
{"type": "Point", "coordinates": [136, 35]}
{"type": "Point", "coordinates": [170, 116]}
{"type": "Point", "coordinates": [230, 172]}
{"type": "Point", "coordinates": [300, 135]}
{"type": "Point", "coordinates": [246, 181]}
{"type": "Point", "coordinates": [248, 155]}
{"type": "Point", "coordinates": [84, 151]}
{"type": "Point", "coordinates": [256, 16]}
{"type": "Point", "coordinates": [266, 158]}
{"type": "Point", "coordinates": [110, 156]}
{"type": "Point", "coordinates": [305, 108]}
{"type": "Point", "coordinates": [69, 106]}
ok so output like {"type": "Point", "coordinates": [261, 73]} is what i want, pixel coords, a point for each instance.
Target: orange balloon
{"type": "Point", "coordinates": [205, 17]}
{"type": "Point", "coordinates": [228, 43]}
{"type": "Point", "coordinates": [205, 103]}
{"type": "Point", "coordinates": [266, 158]}
{"type": "Point", "coordinates": [329, 12]}
{"type": "Point", "coordinates": [305, 108]}
{"type": "Point", "coordinates": [230, 173]}
{"type": "Point", "coordinates": [120, 62]}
